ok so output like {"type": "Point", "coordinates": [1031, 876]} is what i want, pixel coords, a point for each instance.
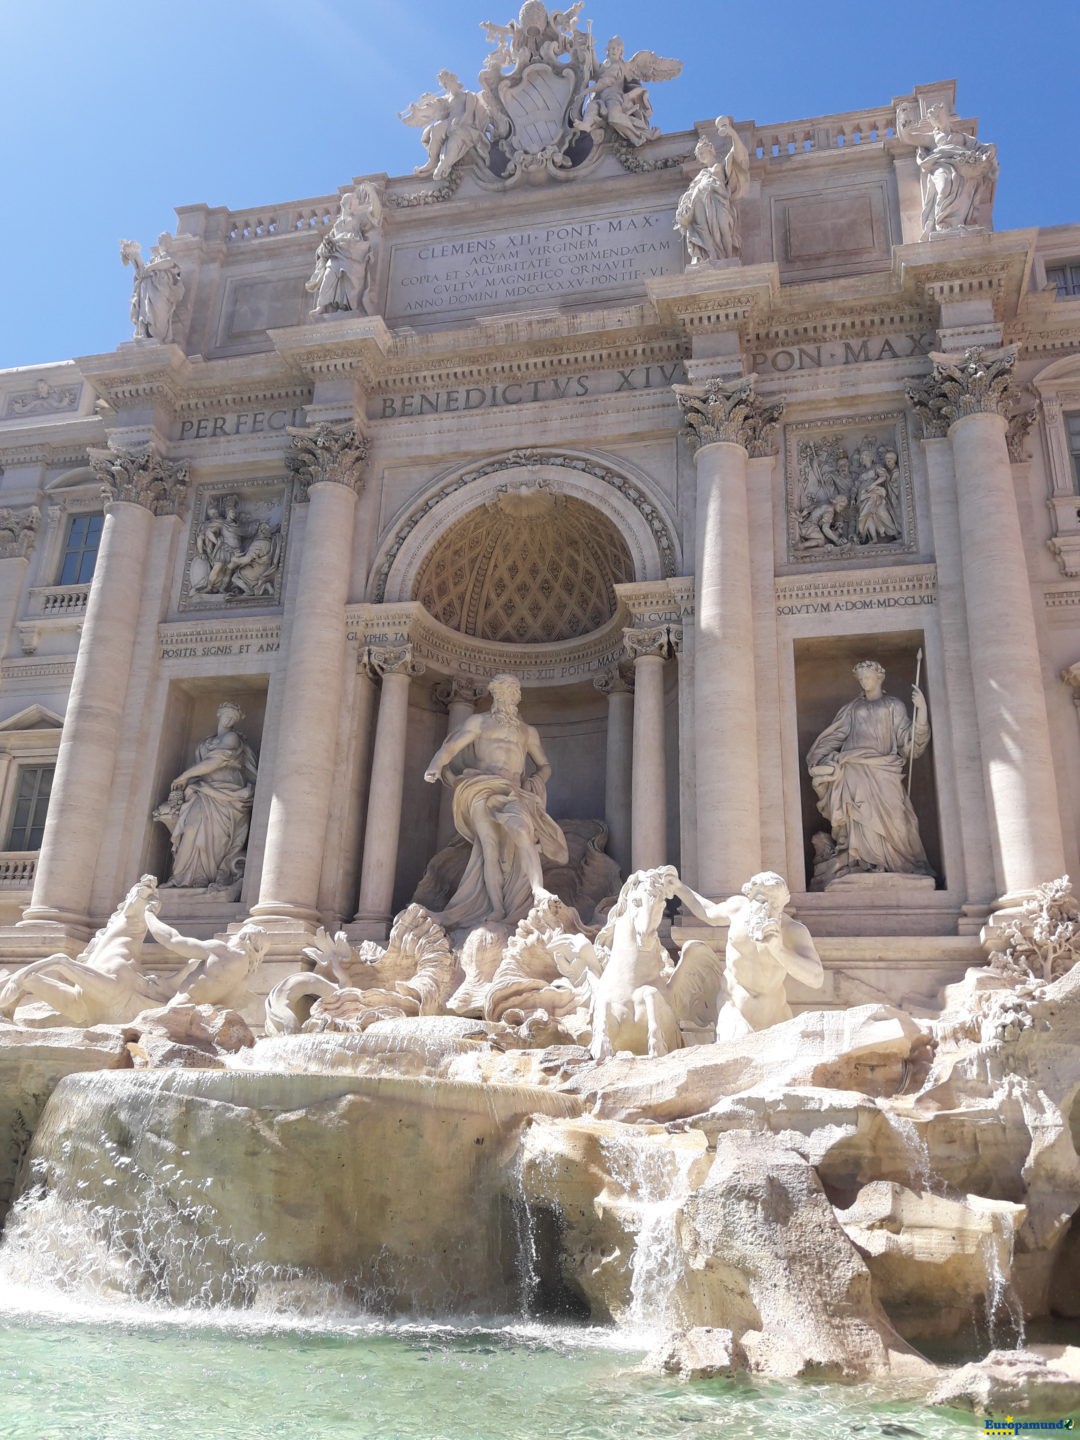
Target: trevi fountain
{"type": "Point", "coordinates": [539, 770]}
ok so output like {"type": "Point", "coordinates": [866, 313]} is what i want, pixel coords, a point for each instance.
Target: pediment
{"type": "Point", "coordinates": [34, 717]}
{"type": "Point", "coordinates": [73, 480]}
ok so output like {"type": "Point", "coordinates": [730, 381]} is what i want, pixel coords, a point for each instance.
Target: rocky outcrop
{"type": "Point", "coordinates": [32, 1062]}
{"type": "Point", "coordinates": [701, 1353]}
{"type": "Point", "coordinates": [1041, 1382]}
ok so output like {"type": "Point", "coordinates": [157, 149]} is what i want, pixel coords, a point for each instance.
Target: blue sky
{"type": "Point", "coordinates": [114, 112]}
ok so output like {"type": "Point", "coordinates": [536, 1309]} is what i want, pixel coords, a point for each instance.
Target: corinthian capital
{"type": "Point", "coordinates": [333, 453]}
{"type": "Point", "coordinates": [384, 660]}
{"type": "Point", "coordinates": [663, 641]}
{"type": "Point", "coordinates": [729, 410]}
{"type": "Point", "coordinates": [18, 531]}
{"type": "Point", "coordinates": [977, 382]}
{"type": "Point", "coordinates": [140, 477]}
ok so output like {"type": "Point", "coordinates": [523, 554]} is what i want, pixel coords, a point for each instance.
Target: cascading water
{"type": "Point", "coordinates": [1004, 1312]}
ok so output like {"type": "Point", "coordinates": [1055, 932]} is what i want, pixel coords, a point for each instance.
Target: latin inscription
{"type": "Point", "coordinates": [839, 352]}
{"type": "Point", "coordinates": [200, 652]}
{"type": "Point", "coordinates": [543, 263]}
{"type": "Point", "coordinates": [241, 422]}
{"type": "Point", "coordinates": [839, 607]}
{"type": "Point", "coordinates": [520, 392]}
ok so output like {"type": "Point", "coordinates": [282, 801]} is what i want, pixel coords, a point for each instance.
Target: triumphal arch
{"type": "Point", "coordinates": [674, 429]}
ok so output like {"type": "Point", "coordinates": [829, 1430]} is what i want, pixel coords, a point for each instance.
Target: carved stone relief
{"type": "Point", "coordinates": [236, 547]}
{"type": "Point", "coordinates": [43, 399]}
{"type": "Point", "coordinates": [18, 531]}
{"type": "Point", "coordinates": [849, 488]}
{"type": "Point", "coordinates": [546, 102]}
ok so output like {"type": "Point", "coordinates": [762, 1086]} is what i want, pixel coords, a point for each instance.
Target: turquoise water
{"type": "Point", "coordinates": [143, 1376]}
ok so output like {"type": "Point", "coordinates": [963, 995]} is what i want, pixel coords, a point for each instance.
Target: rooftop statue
{"type": "Point", "coordinates": [619, 98]}
{"type": "Point", "coordinates": [343, 259]}
{"type": "Point", "coordinates": [857, 769]}
{"type": "Point", "coordinates": [707, 213]}
{"type": "Point", "coordinates": [499, 808]}
{"type": "Point", "coordinates": [544, 103]}
{"type": "Point", "coordinates": [156, 290]}
{"type": "Point", "coordinates": [958, 172]}
{"type": "Point", "coordinates": [455, 125]}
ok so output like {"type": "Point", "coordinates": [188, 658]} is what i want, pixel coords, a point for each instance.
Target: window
{"type": "Point", "coordinates": [31, 803]}
{"type": "Point", "coordinates": [80, 552]}
{"type": "Point", "coordinates": [1064, 278]}
{"type": "Point", "coordinates": [1072, 423]}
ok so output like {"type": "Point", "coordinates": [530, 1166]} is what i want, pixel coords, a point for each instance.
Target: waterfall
{"type": "Point", "coordinates": [1004, 1312]}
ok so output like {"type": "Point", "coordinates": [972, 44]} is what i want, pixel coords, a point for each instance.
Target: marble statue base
{"type": "Point", "coordinates": [877, 881]}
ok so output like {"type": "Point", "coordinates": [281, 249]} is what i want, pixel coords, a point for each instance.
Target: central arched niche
{"type": "Point", "coordinates": [529, 567]}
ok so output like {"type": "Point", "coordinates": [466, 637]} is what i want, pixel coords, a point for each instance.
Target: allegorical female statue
{"type": "Point", "coordinates": [343, 260]}
{"type": "Point", "coordinates": [209, 808]}
{"type": "Point", "coordinates": [156, 290]}
{"type": "Point", "coordinates": [857, 769]}
{"type": "Point", "coordinates": [959, 173]}
{"type": "Point", "coordinates": [707, 213]}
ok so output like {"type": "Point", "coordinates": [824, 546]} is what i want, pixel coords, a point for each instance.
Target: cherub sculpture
{"type": "Point", "coordinates": [619, 97]}
{"type": "Point", "coordinates": [454, 124]}
{"type": "Point", "coordinates": [343, 259]}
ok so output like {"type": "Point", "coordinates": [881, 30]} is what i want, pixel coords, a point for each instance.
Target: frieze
{"type": "Point", "coordinates": [462, 398]}
{"type": "Point", "coordinates": [240, 422]}
{"type": "Point", "coordinates": [853, 591]}
{"type": "Point", "coordinates": [824, 354]}
{"type": "Point", "coordinates": [848, 485]}
{"type": "Point", "coordinates": [213, 639]}
{"type": "Point", "coordinates": [43, 399]}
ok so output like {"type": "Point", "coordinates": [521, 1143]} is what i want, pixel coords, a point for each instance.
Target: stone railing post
{"type": "Point", "coordinates": [725, 424]}
{"type": "Point", "coordinates": [968, 397]}
{"type": "Point", "coordinates": [326, 461]}
{"type": "Point", "coordinates": [378, 867]}
{"type": "Point", "coordinates": [649, 650]}
{"type": "Point", "coordinates": [136, 485]}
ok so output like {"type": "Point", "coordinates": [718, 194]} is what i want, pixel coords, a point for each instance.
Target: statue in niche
{"type": "Point", "coordinates": [208, 811]}
{"type": "Point", "coordinates": [500, 810]}
{"type": "Point", "coordinates": [847, 500]}
{"type": "Point", "coordinates": [454, 122]}
{"type": "Point", "coordinates": [156, 291]}
{"type": "Point", "coordinates": [619, 98]}
{"type": "Point", "coordinates": [707, 213]}
{"type": "Point", "coordinates": [857, 766]}
{"type": "Point", "coordinates": [343, 260]}
{"type": "Point", "coordinates": [959, 173]}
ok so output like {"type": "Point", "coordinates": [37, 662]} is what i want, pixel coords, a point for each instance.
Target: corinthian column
{"type": "Point", "coordinates": [136, 485]}
{"type": "Point", "coordinates": [967, 397]}
{"type": "Point", "coordinates": [649, 650]}
{"type": "Point", "coordinates": [379, 866]}
{"type": "Point", "coordinates": [326, 461]}
{"type": "Point", "coordinates": [725, 423]}
{"type": "Point", "coordinates": [618, 773]}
